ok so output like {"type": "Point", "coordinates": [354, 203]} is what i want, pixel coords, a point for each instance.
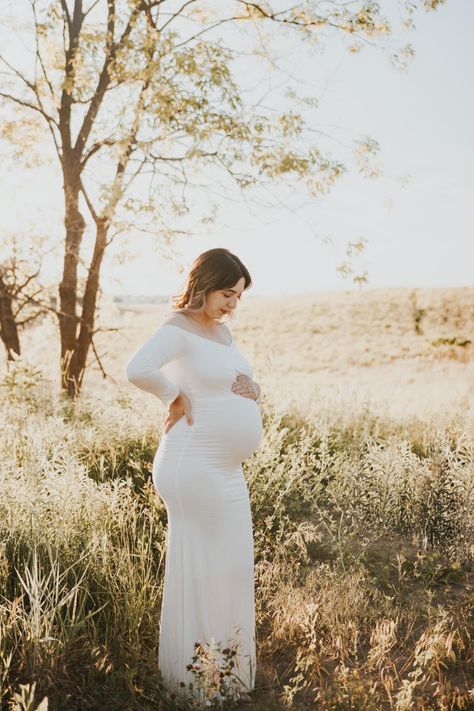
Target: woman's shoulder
{"type": "Point", "coordinates": [175, 318]}
{"type": "Point", "coordinates": [179, 318]}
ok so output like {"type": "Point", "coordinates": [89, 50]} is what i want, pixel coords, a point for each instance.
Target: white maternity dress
{"type": "Point", "coordinates": [208, 593]}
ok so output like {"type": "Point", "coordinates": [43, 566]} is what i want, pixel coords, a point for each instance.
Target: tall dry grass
{"type": "Point", "coordinates": [363, 528]}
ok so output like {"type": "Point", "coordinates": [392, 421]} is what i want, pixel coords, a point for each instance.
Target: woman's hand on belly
{"type": "Point", "coordinates": [179, 407]}
{"type": "Point", "coordinates": [245, 386]}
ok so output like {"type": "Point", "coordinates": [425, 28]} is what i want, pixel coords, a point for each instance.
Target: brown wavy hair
{"type": "Point", "coordinates": [214, 269]}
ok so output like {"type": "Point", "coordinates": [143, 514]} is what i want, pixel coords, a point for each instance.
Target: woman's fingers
{"type": "Point", "coordinates": [176, 411]}
{"type": "Point", "coordinates": [243, 385]}
{"type": "Point", "coordinates": [189, 416]}
{"type": "Point", "coordinates": [187, 411]}
{"type": "Point", "coordinates": [171, 421]}
{"type": "Point", "coordinates": [169, 424]}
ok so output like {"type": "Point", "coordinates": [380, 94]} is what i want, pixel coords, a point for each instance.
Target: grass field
{"type": "Point", "coordinates": [362, 498]}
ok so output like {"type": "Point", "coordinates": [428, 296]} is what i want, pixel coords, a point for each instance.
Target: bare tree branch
{"type": "Point", "coordinates": [104, 78]}
{"type": "Point", "coordinates": [66, 13]}
{"type": "Point", "coordinates": [27, 105]}
{"type": "Point", "coordinates": [202, 32]}
{"type": "Point", "coordinates": [21, 76]}
{"type": "Point", "coordinates": [47, 307]}
{"type": "Point", "coordinates": [176, 14]}
{"type": "Point", "coordinates": [25, 302]}
{"type": "Point", "coordinates": [33, 317]}
{"type": "Point", "coordinates": [19, 287]}
{"type": "Point", "coordinates": [74, 30]}
{"type": "Point", "coordinates": [96, 147]}
{"type": "Point", "coordinates": [104, 374]}
{"type": "Point", "coordinates": [38, 52]}
{"type": "Point", "coordinates": [91, 8]}
{"type": "Point", "coordinates": [89, 204]}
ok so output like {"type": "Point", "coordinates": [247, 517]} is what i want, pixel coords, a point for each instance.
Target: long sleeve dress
{"type": "Point", "coordinates": [208, 593]}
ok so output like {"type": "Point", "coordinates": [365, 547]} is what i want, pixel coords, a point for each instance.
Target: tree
{"type": "Point", "coordinates": [136, 94]}
{"type": "Point", "coordinates": [23, 299]}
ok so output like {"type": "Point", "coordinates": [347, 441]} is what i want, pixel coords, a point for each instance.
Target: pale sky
{"type": "Point", "coordinates": [418, 218]}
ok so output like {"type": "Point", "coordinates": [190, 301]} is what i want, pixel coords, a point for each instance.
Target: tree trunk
{"type": "Point", "coordinates": [8, 326]}
{"type": "Point", "coordinates": [68, 320]}
{"type": "Point", "coordinates": [89, 302]}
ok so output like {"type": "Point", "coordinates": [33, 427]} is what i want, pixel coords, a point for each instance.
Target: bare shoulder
{"type": "Point", "coordinates": [174, 318]}
{"type": "Point", "coordinates": [178, 318]}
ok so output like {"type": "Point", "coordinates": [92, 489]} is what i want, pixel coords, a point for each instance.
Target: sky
{"type": "Point", "coordinates": [417, 218]}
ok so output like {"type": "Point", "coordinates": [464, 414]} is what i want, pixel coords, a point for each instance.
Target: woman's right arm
{"type": "Point", "coordinates": [143, 368]}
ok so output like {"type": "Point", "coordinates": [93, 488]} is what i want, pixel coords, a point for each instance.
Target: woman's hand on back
{"type": "Point", "coordinates": [176, 409]}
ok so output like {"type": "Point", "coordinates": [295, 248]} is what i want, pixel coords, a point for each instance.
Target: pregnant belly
{"type": "Point", "coordinates": [227, 427]}
{"type": "Point", "coordinates": [237, 423]}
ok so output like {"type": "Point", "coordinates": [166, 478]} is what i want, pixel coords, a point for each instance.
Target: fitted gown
{"type": "Point", "coordinates": [208, 593]}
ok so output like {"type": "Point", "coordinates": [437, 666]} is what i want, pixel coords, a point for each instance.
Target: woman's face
{"type": "Point", "coordinates": [224, 301]}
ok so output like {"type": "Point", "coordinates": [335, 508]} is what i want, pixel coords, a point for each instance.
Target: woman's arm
{"type": "Point", "coordinates": [143, 368]}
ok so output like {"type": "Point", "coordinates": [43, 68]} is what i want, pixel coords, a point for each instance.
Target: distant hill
{"type": "Point", "coordinates": [140, 299]}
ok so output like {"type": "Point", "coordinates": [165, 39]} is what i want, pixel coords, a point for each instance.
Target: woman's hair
{"type": "Point", "coordinates": [212, 270]}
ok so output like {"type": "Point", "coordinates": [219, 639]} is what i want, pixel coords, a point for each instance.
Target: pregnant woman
{"type": "Point", "coordinates": [213, 423]}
